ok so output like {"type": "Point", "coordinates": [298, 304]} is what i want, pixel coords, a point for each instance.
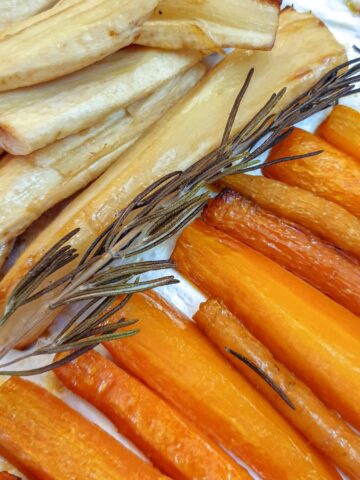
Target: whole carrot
{"type": "Point", "coordinates": [321, 426]}
{"type": "Point", "coordinates": [174, 444]}
{"type": "Point", "coordinates": [175, 359]}
{"type": "Point", "coordinates": [298, 250]}
{"type": "Point", "coordinates": [311, 334]}
{"type": "Point", "coordinates": [325, 218]}
{"type": "Point", "coordinates": [342, 129]}
{"type": "Point", "coordinates": [47, 440]}
{"type": "Point", "coordinates": [333, 174]}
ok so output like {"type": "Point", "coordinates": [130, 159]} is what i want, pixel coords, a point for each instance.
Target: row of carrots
{"type": "Point", "coordinates": [178, 396]}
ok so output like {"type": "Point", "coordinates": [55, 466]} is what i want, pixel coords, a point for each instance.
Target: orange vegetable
{"type": "Point", "coordinates": [342, 129]}
{"type": "Point", "coordinates": [8, 476]}
{"type": "Point", "coordinates": [332, 174]}
{"type": "Point", "coordinates": [312, 335]}
{"type": "Point", "coordinates": [172, 356]}
{"type": "Point", "coordinates": [327, 219]}
{"type": "Point", "coordinates": [325, 430]}
{"type": "Point", "coordinates": [171, 442]}
{"type": "Point", "coordinates": [48, 440]}
{"type": "Point", "coordinates": [298, 250]}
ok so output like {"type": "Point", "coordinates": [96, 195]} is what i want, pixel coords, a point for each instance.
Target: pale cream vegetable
{"type": "Point", "coordinates": [70, 36]}
{"type": "Point", "coordinates": [15, 10]}
{"type": "Point", "coordinates": [31, 185]}
{"type": "Point", "coordinates": [34, 117]}
{"type": "Point", "coordinates": [212, 24]}
{"type": "Point", "coordinates": [304, 51]}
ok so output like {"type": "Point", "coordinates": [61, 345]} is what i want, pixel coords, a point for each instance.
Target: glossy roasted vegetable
{"type": "Point", "coordinates": [48, 440]}
{"type": "Point", "coordinates": [342, 129]}
{"type": "Point", "coordinates": [31, 185]}
{"type": "Point", "coordinates": [69, 36]}
{"type": "Point", "coordinates": [16, 10]}
{"type": "Point", "coordinates": [325, 218]}
{"type": "Point", "coordinates": [333, 175]}
{"type": "Point", "coordinates": [8, 476]}
{"type": "Point", "coordinates": [320, 425]}
{"type": "Point", "coordinates": [34, 117]}
{"type": "Point", "coordinates": [211, 25]}
{"type": "Point", "coordinates": [184, 135]}
{"type": "Point", "coordinates": [172, 443]}
{"type": "Point", "coordinates": [293, 247]}
{"type": "Point", "coordinates": [312, 335]}
{"type": "Point", "coordinates": [172, 356]}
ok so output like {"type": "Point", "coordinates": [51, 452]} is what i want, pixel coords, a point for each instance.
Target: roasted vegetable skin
{"type": "Point", "coordinates": [68, 37]}
{"type": "Point", "coordinates": [320, 425]}
{"type": "Point", "coordinates": [293, 247]}
{"type": "Point", "coordinates": [332, 174]}
{"type": "Point", "coordinates": [211, 25]}
{"type": "Point", "coordinates": [168, 439]}
{"type": "Point", "coordinates": [327, 219]}
{"type": "Point", "coordinates": [298, 317]}
{"type": "Point", "coordinates": [342, 129]}
{"type": "Point", "coordinates": [8, 476]}
{"type": "Point", "coordinates": [172, 356]}
{"type": "Point", "coordinates": [47, 440]}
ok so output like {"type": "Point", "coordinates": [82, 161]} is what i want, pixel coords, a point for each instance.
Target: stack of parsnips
{"type": "Point", "coordinates": [68, 120]}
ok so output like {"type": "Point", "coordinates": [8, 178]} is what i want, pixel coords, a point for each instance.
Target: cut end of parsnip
{"type": "Point", "coordinates": [212, 24]}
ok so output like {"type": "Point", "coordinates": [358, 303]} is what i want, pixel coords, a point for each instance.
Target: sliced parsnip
{"type": "Point", "coordinates": [212, 24]}
{"type": "Point", "coordinates": [31, 185]}
{"type": "Point", "coordinates": [303, 52]}
{"type": "Point", "coordinates": [34, 117]}
{"type": "Point", "coordinates": [16, 10]}
{"type": "Point", "coordinates": [70, 36]}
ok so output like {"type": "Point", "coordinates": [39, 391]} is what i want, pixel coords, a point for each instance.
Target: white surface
{"type": "Point", "coordinates": [346, 28]}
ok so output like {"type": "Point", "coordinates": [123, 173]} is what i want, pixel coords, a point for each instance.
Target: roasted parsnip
{"type": "Point", "coordinates": [48, 440]}
{"type": "Point", "coordinates": [342, 129]}
{"type": "Point", "coordinates": [172, 443]}
{"type": "Point", "coordinates": [333, 174]}
{"type": "Point", "coordinates": [293, 247]}
{"type": "Point", "coordinates": [303, 52]}
{"type": "Point", "coordinates": [31, 185]}
{"type": "Point", "coordinates": [312, 335]}
{"type": "Point", "coordinates": [17, 10]}
{"type": "Point", "coordinates": [323, 427]}
{"type": "Point", "coordinates": [34, 117]}
{"type": "Point", "coordinates": [325, 218]}
{"type": "Point", "coordinates": [210, 24]}
{"type": "Point", "coordinates": [69, 36]}
{"type": "Point", "coordinates": [172, 356]}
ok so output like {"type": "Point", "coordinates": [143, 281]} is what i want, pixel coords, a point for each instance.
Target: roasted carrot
{"type": "Point", "coordinates": [342, 129]}
{"type": "Point", "coordinates": [321, 426]}
{"type": "Point", "coordinates": [8, 476]}
{"type": "Point", "coordinates": [172, 356]}
{"type": "Point", "coordinates": [297, 249]}
{"type": "Point", "coordinates": [325, 218]}
{"type": "Point", "coordinates": [48, 440]}
{"type": "Point", "coordinates": [332, 174]}
{"type": "Point", "coordinates": [311, 334]}
{"type": "Point", "coordinates": [172, 443]}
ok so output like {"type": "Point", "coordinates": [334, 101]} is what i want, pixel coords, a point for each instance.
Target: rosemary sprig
{"type": "Point", "coordinates": [156, 215]}
{"type": "Point", "coordinates": [263, 375]}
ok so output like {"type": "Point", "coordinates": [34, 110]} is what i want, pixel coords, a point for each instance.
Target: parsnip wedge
{"type": "Point", "coordinates": [31, 185]}
{"type": "Point", "coordinates": [212, 24]}
{"type": "Point", "coordinates": [34, 117]}
{"type": "Point", "coordinates": [70, 36]}
{"type": "Point", "coordinates": [16, 10]}
{"type": "Point", "coordinates": [5, 249]}
{"type": "Point", "coordinates": [303, 52]}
